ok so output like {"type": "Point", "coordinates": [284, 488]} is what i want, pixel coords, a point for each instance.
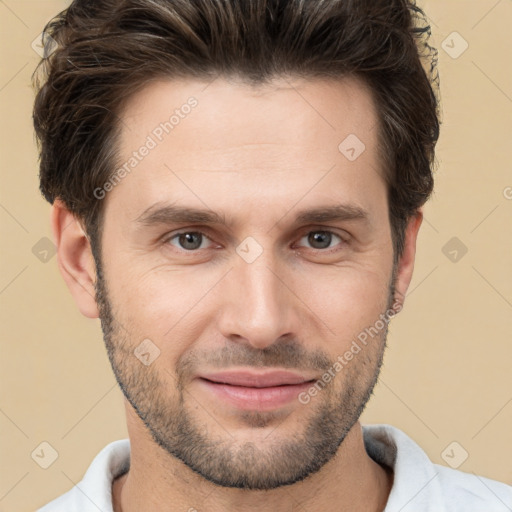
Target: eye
{"type": "Point", "coordinates": [192, 241]}
{"type": "Point", "coordinates": [321, 239]}
{"type": "Point", "coordinates": [188, 240]}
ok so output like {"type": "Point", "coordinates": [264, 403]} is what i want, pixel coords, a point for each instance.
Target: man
{"type": "Point", "coordinates": [237, 189]}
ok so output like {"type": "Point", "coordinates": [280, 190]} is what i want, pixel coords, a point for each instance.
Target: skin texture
{"type": "Point", "coordinates": [256, 156]}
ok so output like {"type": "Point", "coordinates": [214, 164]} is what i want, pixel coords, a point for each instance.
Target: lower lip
{"type": "Point", "coordinates": [261, 399]}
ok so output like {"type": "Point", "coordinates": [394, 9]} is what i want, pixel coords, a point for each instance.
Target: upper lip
{"type": "Point", "coordinates": [256, 380]}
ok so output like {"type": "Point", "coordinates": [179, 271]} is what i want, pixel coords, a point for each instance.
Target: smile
{"type": "Point", "coordinates": [255, 391]}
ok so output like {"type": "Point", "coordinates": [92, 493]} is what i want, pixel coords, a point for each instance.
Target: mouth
{"type": "Point", "coordinates": [247, 390]}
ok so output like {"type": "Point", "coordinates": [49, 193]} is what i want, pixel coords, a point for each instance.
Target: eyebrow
{"type": "Point", "coordinates": [168, 214]}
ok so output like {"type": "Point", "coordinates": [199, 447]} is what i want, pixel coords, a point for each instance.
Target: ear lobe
{"type": "Point", "coordinates": [74, 257]}
{"type": "Point", "coordinates": [406, 261]}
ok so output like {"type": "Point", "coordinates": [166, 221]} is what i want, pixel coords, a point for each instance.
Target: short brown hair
{"type": "Point", "coordinates": [109, 49]}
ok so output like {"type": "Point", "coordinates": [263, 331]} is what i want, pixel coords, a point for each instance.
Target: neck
{"type": "Point", "coordinates": [350, 481]}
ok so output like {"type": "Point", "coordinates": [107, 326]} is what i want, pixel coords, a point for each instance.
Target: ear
{"type": "Point", "coordinates": [405, 265]}
{"type": "Point", "coordinates": [74, 257]}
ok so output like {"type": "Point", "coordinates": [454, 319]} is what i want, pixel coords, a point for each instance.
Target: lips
{"type": "Point", "coordinates": [255, 380]}
{"type": "Point", "coordinates": [254, 391]}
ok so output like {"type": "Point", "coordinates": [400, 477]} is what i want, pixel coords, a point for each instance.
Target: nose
{"type": "Point", "coordinates": [257, 306]}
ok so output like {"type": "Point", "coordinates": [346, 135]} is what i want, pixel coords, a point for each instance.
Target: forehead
{"type": "Point", "coordinates": [250, 114]}
{"type": "Point", "coordinates": [220, 137]}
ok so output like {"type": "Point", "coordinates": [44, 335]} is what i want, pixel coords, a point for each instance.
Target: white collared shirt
{"type": "Point", "coordinates": [419, 485]}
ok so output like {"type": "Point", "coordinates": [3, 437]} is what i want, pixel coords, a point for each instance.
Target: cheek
{"type": "Point", "coordinates": [346, 299]}
{"type": "Point", "coordinates": [163, 304]}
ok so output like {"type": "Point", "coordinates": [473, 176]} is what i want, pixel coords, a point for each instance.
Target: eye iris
{"type": "Point", "coordinates": [187, 240]}
{"type": "Point", "coordinates": [322, 237]}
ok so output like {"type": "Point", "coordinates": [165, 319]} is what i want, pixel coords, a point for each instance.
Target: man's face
{"type": "Point", "coordinates": [246, 313]}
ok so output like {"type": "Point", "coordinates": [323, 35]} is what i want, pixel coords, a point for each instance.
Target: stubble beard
{"type": "Point", "coordinates": [209, 450]}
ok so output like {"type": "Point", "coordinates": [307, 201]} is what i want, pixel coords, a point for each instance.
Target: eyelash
{"type": "Point", "coordinates": [167, 239]}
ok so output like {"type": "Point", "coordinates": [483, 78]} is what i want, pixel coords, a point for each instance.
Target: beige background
{"type": "Point", "coordinates": [447, 371]}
